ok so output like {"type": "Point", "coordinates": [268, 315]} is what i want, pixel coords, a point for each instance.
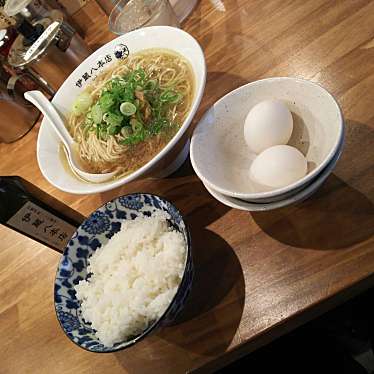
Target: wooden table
{"type": "Point", "coordinates": [257, 275]}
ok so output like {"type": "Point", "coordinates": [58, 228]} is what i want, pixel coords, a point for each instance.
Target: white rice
{"type": "Point", "coordinates": [135, 276]}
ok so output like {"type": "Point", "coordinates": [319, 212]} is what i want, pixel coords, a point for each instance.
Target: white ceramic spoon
{"type": "Point", "coordinates": [45, 106]}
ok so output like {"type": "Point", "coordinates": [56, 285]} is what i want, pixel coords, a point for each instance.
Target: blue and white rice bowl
{"type": "Point", "coordinates": [92, 234]}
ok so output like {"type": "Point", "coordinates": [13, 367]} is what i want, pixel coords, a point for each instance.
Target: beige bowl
{"type": "Point", "coordinates": [221, 157]}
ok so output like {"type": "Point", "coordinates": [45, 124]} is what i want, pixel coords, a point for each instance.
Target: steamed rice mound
{"type": "Point", "coordinates": [134, 278]}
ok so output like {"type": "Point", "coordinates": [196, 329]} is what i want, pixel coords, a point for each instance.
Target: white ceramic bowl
{"type": "Point", "coordinates": [298, 196]}
{"type": "Point", "coordinates": [174, 153]}
{"type": "Point", "coordinates": [221, 157]}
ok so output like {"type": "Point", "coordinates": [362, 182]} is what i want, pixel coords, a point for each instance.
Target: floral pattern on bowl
{"type": "Point", "coordinates": [94, 232]}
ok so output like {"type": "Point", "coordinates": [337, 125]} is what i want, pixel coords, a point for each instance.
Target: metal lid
{"type": "Point", "coordinates": [13, 7]}
{"type": "Point", "coordinates": [21, 55]}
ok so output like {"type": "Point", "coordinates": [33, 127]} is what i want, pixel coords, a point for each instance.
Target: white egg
{"type": "Point", "coordinates": [268, 123]}
{"type": "Point", "coordinates": [278, 166]}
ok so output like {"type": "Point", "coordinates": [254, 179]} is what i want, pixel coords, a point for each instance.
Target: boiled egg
{"type": "Point", "coordinates": [278, 166]}
{"type": "Point", "coordinates": [268, 123]}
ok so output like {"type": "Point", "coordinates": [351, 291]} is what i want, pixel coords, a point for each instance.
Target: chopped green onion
{"type": "Point", "coordinates": [177, 98]}
{"type": "Point", "coordinates": [157, 126]}
{"type": "Point", "coordinates": [113, 130]}
{"type": "Point", "coordinates": [127, 108]}
{"type": "Point", "coordinates": [96, 114]}
{"type": "Point", "coordinates": [113, 119]}
{"type": "Point", "coordinates": [134, 139]}
{"type": "Point", "coordinates": [106, 101]}
{"type": "Point", "coordinates": [82, 103]}
{"type": "Point", "coordinates": [150, 85]}
{"type": "Point", "coordinates": [132, 105]}
{"type": "Point", "coordinates": [126, 131]}
{"type": "Point", "coordinates": [170, 96]}
{"type": "Point", "coordinates": [136, 125]}
{"type": "Point", "coordinates": [103, 135]}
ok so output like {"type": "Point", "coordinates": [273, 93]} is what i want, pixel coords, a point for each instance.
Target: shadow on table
{"type": "Point", "coordinates": [337, 216]}
{"type": "Point", "coordinates": [213, 310]}
{"type": "Point", "coordinates": [217, 268]}
{"type": "Point", "coordinates": [341, 213]}
{"type": "Point", "coordinates": [184, 171]}
{"type": "Point", "coordinates": [209, 321]}
{"type": "Point", "coordinates": [193, 201]}
{"type": "Point", "coordinates": [355, 166]}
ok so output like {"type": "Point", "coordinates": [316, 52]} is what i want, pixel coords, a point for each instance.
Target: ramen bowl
{"type": "Point", "coordinates": [92, 234]}
{"type": "Point", "coordinates": [222, 159]}
{"type": "Point", "coordinates": [50, 158]}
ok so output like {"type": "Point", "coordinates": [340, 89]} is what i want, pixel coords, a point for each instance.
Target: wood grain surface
{"type": "Point", "coordinates": [257, 275]}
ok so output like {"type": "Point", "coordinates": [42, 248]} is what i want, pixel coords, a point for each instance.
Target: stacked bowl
{"type": "Point", "coordinates": [222, 159]}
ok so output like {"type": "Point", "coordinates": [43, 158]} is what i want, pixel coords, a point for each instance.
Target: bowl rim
{"type": "Point", "coordinates": [155, 324]}
{"type": "Point", "coordinates": [278, 191]}
{"type": "Point", "coordinates": [199, 89]}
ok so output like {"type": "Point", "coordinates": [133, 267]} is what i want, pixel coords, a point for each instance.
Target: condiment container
{"type": "Point", "coordinates": [50, 47]}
